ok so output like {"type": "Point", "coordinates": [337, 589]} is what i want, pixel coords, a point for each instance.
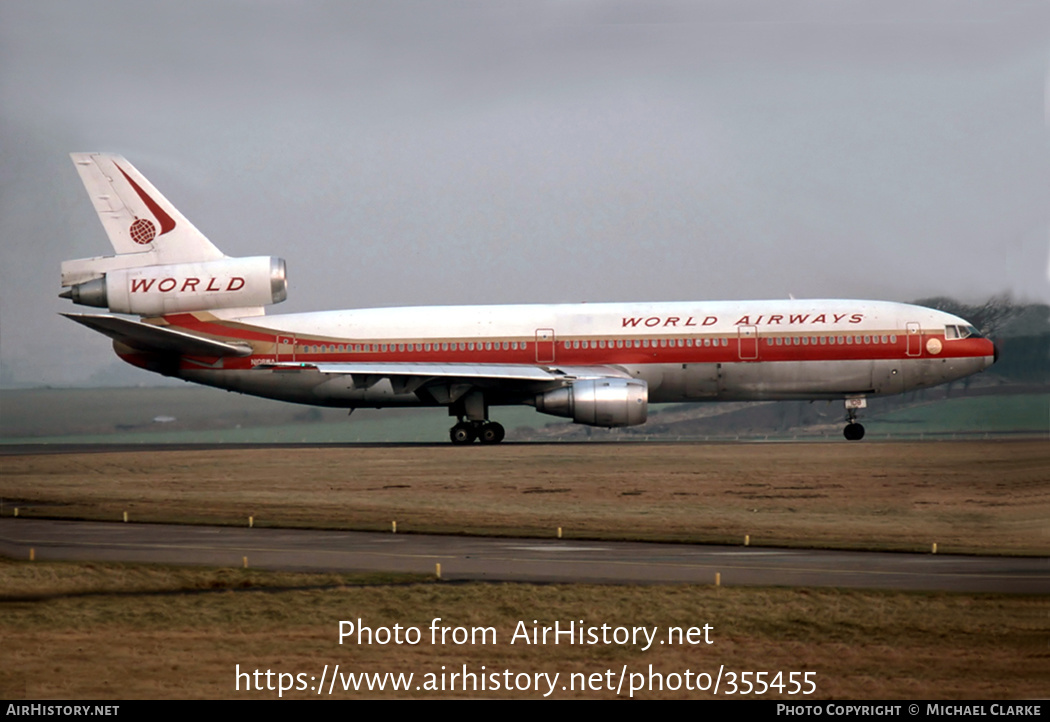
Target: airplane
{"type": "Point", "coordinates": [202, 318]}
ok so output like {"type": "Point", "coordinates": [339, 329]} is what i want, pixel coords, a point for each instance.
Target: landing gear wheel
{"type": "Point", "coordinates": [491, 433]}
{"type": "Point", "coordinates": [462, 434]}
{"type": "Point", "coordinates": [853, 432]}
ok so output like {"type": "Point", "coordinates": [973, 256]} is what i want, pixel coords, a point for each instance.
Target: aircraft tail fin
{"type": "Point", "coordinates": [163, 265]}
{"type": "Point", "coordinates": [137, 218]}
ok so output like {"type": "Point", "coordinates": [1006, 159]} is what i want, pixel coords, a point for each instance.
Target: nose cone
{"type": "Point", "coordinates": [991, 352]}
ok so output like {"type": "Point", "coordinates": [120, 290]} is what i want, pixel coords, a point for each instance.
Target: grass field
{"type": "Point", "coordinates": [111, 631]}
{"type": "Point", "coordinates": [993, 414]}
{"type": "Point", "coordinates": [105, 631]}
{"type": "Point", "coordinates": [975, 496]}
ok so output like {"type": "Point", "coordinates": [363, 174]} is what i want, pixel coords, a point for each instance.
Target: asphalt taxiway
{"type": "Point", "coordinates": [520, 560]}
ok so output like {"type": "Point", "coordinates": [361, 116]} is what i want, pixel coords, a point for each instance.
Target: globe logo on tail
{"type": "Point", "coordinates": [143, 231]}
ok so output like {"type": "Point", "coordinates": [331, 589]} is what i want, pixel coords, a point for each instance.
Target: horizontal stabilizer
{"type": "Point", "coordinates": [146, 337]}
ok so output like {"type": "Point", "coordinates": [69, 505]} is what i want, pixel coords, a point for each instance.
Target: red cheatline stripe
{"type": "Point", "coordinates": [306, 350]}
{"type": "Point", "coordinates": [221, 330]}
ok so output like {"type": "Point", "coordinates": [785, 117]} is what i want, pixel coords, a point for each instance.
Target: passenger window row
{"type": "Point", "coordinates": [604, 343]}
{"type": "Point", "coordinates": [829, 340]}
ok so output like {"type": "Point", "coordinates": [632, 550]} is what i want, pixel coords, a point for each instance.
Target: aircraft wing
{"type": "Point", "coordinates": [447, 382]}
{"type": "Point", "coordinates": [496, 372]}
{"type": "Point", "coordinates": [146, 337]}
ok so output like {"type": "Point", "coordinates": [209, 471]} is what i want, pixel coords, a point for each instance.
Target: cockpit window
{"type": "Point", "coordinates": [961, 331]}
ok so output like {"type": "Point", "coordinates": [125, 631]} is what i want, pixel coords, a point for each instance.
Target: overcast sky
{"type": "Point", "coordinates": [407, 153]}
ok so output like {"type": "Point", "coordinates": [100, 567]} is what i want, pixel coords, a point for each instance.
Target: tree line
{"type": "Point", "coordinates": [1021, 332]}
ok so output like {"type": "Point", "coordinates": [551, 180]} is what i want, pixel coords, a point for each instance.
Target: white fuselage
{"type": "Point", "coordinates": [793, 349]}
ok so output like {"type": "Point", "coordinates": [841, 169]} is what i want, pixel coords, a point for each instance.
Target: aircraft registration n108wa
{"type": "Point", "coordinates": [202, 319]}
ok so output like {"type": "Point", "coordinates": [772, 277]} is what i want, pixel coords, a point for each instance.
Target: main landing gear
{"type": "Point", "coordinates": [853, 430]}
{"type": "Point", "coordinates": [474, 425]}
{"type": "Point", "coordinates": [487, 432]}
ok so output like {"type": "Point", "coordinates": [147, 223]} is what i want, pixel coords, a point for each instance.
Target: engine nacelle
{"type": "Point", "coordinates": [186, 287]}
{"type": "Point", "coordinates": [599, 402]}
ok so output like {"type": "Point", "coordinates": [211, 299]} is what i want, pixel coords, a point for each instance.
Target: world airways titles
{"type": "Point", "coordinates": [761, 319]}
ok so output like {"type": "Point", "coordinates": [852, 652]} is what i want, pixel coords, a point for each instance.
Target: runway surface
{"type": "Point", "coordinates": [522, 560]}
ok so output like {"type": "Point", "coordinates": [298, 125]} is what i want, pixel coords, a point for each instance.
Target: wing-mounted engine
{"type": "Point", "coordinates": [599, 402]}
{"type": "Point", "coordinates": [185, 287]}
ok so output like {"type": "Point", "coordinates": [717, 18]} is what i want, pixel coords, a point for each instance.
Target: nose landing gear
{"type": "Point", "coordinates": [853, 430]}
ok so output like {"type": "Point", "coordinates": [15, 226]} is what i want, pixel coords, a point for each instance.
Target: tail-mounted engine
{"type": "Point", "coordinates": [599, 402]}
{"type": "Point", "coordinates": [186, 287]}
